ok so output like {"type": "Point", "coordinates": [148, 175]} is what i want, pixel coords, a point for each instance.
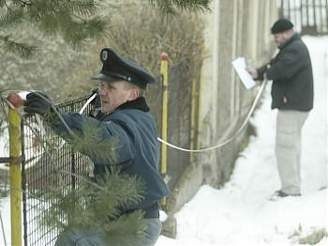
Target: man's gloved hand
{"type": "Point", "coordinates": [95, 112]}
{"type": "Point", "coordinates": [262, 71]}
{"type": "Point", "coordinates": [39, 103]}
{"type": "Point", "coordinates": [96, 101]}
{"type": "Point", "coordinates": [253, 72]}
{"type": "Point", "coordinates": [259, 73]}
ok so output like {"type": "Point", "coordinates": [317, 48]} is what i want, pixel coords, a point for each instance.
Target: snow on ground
{"type": "Point", "coordinates": [240, 213]}
{"type": "Point", "coordinates": [4, 139]}
{"type": "Point", "coordinates": [5, 216]}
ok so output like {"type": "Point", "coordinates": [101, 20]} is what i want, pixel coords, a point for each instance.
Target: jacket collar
{"type": "Point", "coordinates": [296, 36]}
{"type": "Point", "coordinates": [139, 104]}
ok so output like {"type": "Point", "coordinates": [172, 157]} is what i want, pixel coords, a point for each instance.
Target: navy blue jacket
{"type": "Point", "coordinates": [133, 131]}
{"type": "Point", "coordinates": [291, 72]}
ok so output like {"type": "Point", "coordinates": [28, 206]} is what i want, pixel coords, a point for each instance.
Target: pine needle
{"type": "Point", "coordinates": [98, 207]}
{"type": "Point", "coordinates": [10, 18]}
{"type": "Point", "coordinates": [172, 6]}
{"type": "Point", "coordinates": [22, 49]}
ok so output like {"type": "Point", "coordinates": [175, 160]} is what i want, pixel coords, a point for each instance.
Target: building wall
{"type": "Point", "coordinates": [233, 28]}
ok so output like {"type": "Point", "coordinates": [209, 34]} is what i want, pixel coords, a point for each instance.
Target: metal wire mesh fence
{"type": "Point", "coordinates": [179, 120]}
{"type": "Point", "coordinates": [4, 175]}
{"type": "Point", "coordinates": [48, 162]}
{"type": "Point", "coordinates": [4, 150]}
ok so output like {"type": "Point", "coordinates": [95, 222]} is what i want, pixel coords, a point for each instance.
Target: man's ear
{"type": "Point", "coordinates": [134, 94]}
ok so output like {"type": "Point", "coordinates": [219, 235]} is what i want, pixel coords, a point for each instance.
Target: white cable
{"type": "Point", "coordinates": [87, 103]}
{"type": "Point", "coordinates": [3, 230]}
{"type": "Point", "coordinates": [219, 145]}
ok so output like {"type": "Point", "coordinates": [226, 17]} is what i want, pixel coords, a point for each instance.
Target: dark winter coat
{"type": "Point", "coordinates": [132, 129]}
{"type": "Point", "coordinates": [291, 72]}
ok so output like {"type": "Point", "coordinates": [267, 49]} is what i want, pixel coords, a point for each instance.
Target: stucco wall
{"type": "Point", "coordinates": [233, 28]}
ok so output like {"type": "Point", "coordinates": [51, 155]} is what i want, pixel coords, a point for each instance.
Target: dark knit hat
{"type": "Point", "coordinates": [281, 25]}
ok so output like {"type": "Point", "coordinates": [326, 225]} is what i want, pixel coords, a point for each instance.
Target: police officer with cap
{"type": "Point", "coordinates": [124, 115]}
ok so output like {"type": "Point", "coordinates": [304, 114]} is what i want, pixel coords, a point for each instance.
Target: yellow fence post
{"type": "Point", "coordinates": [15, 176]}
{"type": "Point", "coordinates": [164, 78]}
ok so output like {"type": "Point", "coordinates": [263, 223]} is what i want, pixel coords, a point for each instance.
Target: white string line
{"type": "Point", "coordinates": [87, 103]}
{"type": "Point", "coordinates": [219, 145]}
{"type": "Point", "coordinates": [3, 230]}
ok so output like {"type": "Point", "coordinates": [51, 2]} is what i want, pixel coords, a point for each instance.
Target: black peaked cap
{"type": "Point", "coordinates": [117, 68]}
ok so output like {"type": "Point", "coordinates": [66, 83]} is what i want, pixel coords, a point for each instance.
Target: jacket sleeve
{"type": "Point", "coordinates": [103, 141]}
{"type": "Point", "coordinates": [287, 64]}
{"type": "Point", "coordinates": [261, 71]}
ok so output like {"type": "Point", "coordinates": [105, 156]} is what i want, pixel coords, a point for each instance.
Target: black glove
{"type": "Point", "coordinates": [95, 102]}
{"type": "Point", "coordinates": [38, 103]}
{"type": "Point", "coordinates": [95, 111]}
{"type": "Point", "coordinates": [262, 70]}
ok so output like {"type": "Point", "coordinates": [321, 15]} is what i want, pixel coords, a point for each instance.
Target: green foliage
{"type": "Point", "coordinates": [62, 72]}
{"type": "Point", "coordinates": [314, 237]}
{"type": "Point", "coordinates": [76, 21]}
{"type": "Point", "coordinates": [18, 48]}
{"type": "Point", "coordinates": [170, 6]}
{"type": "Point", "coordinates": [73, 20]}
{"type": "Point", "coordinates": [11, 17]}
{"type": "Point", "coordinates": [97, 206]}
{"type": "Point", "coordinates": [90, 141]}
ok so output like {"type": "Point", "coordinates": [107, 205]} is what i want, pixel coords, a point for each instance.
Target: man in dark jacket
{"type": "Point", "coordinates": [292, 95]}
{"type": "Point", "coordinates": [125, 117]}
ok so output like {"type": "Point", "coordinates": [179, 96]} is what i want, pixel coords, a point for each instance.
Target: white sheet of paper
{"type": "Point", "coordinates": [239, 65]}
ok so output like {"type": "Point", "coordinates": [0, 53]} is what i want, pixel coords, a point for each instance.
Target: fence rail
{"type": "Point", "coordinates": [309, 16]}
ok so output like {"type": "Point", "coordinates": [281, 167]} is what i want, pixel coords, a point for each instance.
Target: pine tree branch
{"type": "Point", "coordinates": [75, 20]}
{"type": "Point", "coordinates": [11, 17]}
{"type": "Point", "coordinates": [83, 8]}
{"type": "Point", "coordinates": [23, 3]}
{"type": "Point", "coordinates": [3, 3]}
{"type": "Point", "coordinates": [92, 208]}
{"type": "Point", "coordinates": [24, 50]}
{"type": "Point", "coordinates": [83, 179]}
{"type": "Point", "coordinates": [171, 6]}
{"type": "Point", "coordinates": [72, 20]}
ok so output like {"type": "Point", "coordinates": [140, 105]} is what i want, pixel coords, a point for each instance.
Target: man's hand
{"type": "Point", "coordinates": [253, 72]}
{"type": "Point", "coordinates": [37, 102]}
{"type": "Point", "coordinates": [96, 101]}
